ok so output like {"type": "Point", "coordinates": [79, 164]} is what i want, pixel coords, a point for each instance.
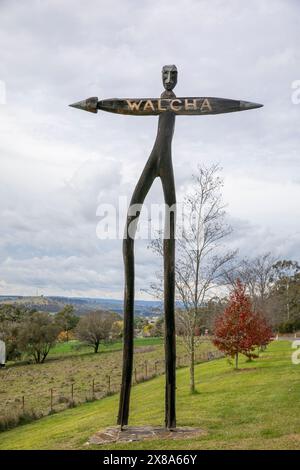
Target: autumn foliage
{"type": "Point", "coordinates": [240, 330]}
{"type": "Point", "coordinates": [65, 336]}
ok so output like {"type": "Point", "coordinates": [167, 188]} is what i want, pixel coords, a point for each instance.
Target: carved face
{"type": "Point", "coordinates": [169, 76]}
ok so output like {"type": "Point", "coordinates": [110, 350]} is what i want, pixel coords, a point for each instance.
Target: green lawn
{"type": "Point", "coordinates": [254, 408]}
{"type": "Point", "coordinates": [75, 347]}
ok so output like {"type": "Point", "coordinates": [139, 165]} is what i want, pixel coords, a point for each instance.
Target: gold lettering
{"type": "Point", "coordinates": [148, 105]}
{"type": "Point", "coordinates": [159, 106]}
{"type": "Point", "coordinates": [133, 105]}
{"type": "Point", "coordinates": [175, 107]}
{"type": "Point", "coordinates": [190, 106]}
{"type": "Point", "coordinates": [206, 105]}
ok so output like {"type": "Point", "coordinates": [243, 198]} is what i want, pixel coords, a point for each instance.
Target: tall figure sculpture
{"type": "Point", "coordinates": [159, 164]}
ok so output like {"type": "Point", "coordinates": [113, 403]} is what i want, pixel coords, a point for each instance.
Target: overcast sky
{"type": "Point", "coordinates": [58, 163]}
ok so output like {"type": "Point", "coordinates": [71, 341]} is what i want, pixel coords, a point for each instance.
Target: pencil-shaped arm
{"type": "Point", "coordinates": [185, 106]}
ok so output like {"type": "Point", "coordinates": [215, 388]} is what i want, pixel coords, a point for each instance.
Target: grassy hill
{"type": "Point", "coordinates": [69, 364]}
{"type": "Point", "coordinates": [72, 372]}
{"type": "Point", "coordinates": [254, 408]}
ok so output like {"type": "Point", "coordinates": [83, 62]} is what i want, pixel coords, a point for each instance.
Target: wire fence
{"type": "Point", "coordinates": [26, 408]}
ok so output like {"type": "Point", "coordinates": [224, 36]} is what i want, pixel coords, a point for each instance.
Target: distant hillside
{"type": "Point", "coordinates": [81, 305]}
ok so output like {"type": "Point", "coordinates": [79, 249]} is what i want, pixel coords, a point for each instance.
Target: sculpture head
{"type": "Point", "coordinates": [169, 76]}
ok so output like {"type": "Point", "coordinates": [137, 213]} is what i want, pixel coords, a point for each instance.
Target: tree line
{"type": "Point", "coordinates": [27, 332]}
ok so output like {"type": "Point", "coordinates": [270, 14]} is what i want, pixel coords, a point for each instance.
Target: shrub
{"type": "Point", "coordinates": [240, 329]}
{"type": "Point", "coordinates": [11, 419]}
{"type": "Point", "coordinates": [289, 326]}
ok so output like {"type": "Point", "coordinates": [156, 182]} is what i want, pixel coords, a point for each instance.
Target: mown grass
{"type": "Point", "coordinates": [254, 408]}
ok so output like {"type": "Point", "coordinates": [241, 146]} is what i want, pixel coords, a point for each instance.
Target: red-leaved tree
{"type": "Point", "coordinates": [239, 330]}
{"type": "Point", "coordinates": [264, 331]}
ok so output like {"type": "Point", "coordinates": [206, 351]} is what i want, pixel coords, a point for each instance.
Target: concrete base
{"type": "Point", "coordinates": [142, 433]}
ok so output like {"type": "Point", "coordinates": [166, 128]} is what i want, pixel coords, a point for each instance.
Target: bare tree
{"type": "Point", "coordinates": [37, 335]}
{"type": "Point", "coordinates": [95, 327]}
{"type": "Point", "coordinates": [271, 284]}
{"type": "Point", "coordinates": [257, 275]}
{"type": "Point", "coordinates": [200, 255]}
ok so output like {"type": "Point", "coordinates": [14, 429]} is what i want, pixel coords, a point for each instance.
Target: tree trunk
{"type": "Point", "coordinates": [287, 302]}
{"type": "Point", "coordinates": [45, 354]}
{"type": "Point", "coordinates": [192, 365]}
{"type": "Point", "coordinates": [37, 357]}
{"type": "Point", "coordinates": [96, 347]}
{"type": "Point", "coordinates": [237, 360]}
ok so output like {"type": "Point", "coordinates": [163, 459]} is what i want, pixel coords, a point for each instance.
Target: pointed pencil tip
{"type": "Point", "coordinates": [244, 105]}
{"type": "Point", "coordinates": [90, 104]}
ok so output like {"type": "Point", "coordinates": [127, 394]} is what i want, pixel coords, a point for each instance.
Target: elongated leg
{"type": "Point", "coordinates": [140, 192]}
{"type": "Point", "coordinates": [167, 178]}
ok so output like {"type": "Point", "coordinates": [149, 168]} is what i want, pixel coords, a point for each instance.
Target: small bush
{"type": "Point", "coordinates": [62, 399]}
{"type": "Point", "coordinates": [13, 418]}
{"type": "Point", "coordinates": [8, 421]}
{"type": "Point", "coordinates": [71, 404]}
{"type": "Point", "coordinates": [90, 399]}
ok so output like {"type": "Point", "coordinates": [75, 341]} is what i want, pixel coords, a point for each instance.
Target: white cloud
{"type": "Point", "coordinates": [58, 164]}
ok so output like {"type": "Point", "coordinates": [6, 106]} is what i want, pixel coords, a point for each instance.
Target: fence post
{"type": "Point", "coordinates": [135, 375]}
{"type": "Point", "coordinates": [146, 369]}
{"type": "Point", "coordinates": [51, 399]}
{"type": "Point", "coordinates": [72, 392]}
{"type": "Point", "coordinates": [108, 384]}
{"type": "Point", "coordinates": [93, 389]}
{"type": "Point", "coordinates": [23, 404]}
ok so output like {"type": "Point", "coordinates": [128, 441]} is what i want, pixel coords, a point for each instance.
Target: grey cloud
{"type": "Point", "coordinates": [58, 164]}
